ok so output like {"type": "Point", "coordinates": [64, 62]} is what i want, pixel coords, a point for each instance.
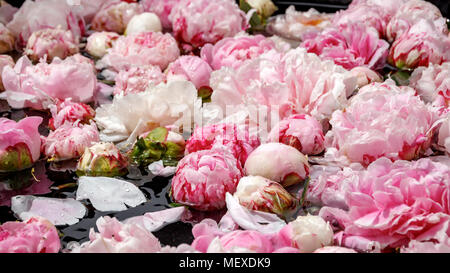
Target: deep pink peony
{"type": "Point", "coordinates": [69, 141]}
{"type": "Point", "coordinates": [233, 51]}
{"type": "Point", "coordinates": [51, 43]}
{"type": "Point", "coordinates": [35, 86]}
{"type": "Point", "coordinates": [143, 48]}
{"type": "Point", "coordinates": [69, 112]}
{"type": "Point", "coordinates": [204, 177]}
{"type": "Point", "coordinates": [198, 22]}
{"type": "Point", "coordinates": [5, 60]}
{"type": "Point", "coordinates": [392, 203]}
{"type": "Point", "coordinates": [138, 79]}
{"type": "Point", "coordinates": [114, 16]}
{"type": "Point", "coordinates": [235, 139]}
{"type": "Point", "coordinates": [37, 235]}
{"type": "Point", "coordinates": [382, 120]}
{"type": "Point", "coordinates": [162, 8]}
{"type": "Point", "coordinates": [302, 132]}
{"type": "Point", "coordinates": [350, 46]}
{"type": "Point", "coordinates": [191, 68]}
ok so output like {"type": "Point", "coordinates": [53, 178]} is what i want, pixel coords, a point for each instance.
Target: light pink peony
{"type": "Point", "coordinates": [365, 76]}
{"type": "Point", "coordinates": [233, 51]}
{"type": "Point", "coordinates": [248, 241]}
{"type": "Point", "coordinates": [191, 68]}
{"type": "Point", "coordinates": [423, 44]}
{"type": "Point", "coordinates": [444, 135]}
{"type": "Point", "coordinates": [388, 6]}
{"type": "Point", "coordinates": [138, 79]}
{"type": "Point", "coordinates": [302, 132]}
{"type": "Point", "coordinates": [5, 60]}
{"type": "Point", "coordinates": [204, 177]}
{"type": "Point", "coordinates": [6, 40]}
{"type": "Point", "coordinates": [88, 8]}
{"type": "Point", "coordinates": [197, 22]}
{"type": "Point", "coordinates": [143, 48]}
{"type": "Point", "coordinates": [99, 42]}
{"type": "Point", "coordinates": [392, 203]}
{"type": "Point", "coordinates": [36, 15]}
{"type": "Point", "coordinates": [69, 141]}
{"type": "Point", "coordinates": [20, 143]}
{"type": "Point", "coordinates": [37, 235]}
{"type": "Point", "coordinates": [51, 43]}
{"type": "Point", "coordinates": [350, 46]}
{"type": "Point", "coordinates": [114, 16]}
{"type": "Point", "coordinates": [69, 112]}
{"type": "Point", "coordinates": [239, 141]}
{"type": "Point", "coordinates": [381, 120]}
{"type": "Point", "coordinates": [410, 13]}
{"type": "Point", "coordinates": [35, 86]}
{"type": "Point", "coordinates": [116, 237]}
{"type": "Point", "coordinates": [162, 8]}
{"type": "Point", "coordinates": [334, 249]}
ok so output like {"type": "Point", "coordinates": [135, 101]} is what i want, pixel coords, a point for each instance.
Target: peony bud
{"type": "Point", "coordinates": [259, 193]}
{"type": "Point", "coordinates": [102, 159]}
{"type": "Point", "coordinates": [115, 16]}
{"type": "Point", "coordinates": [99, 42]}
{"type": "Point", "coordinates": [144, 22]}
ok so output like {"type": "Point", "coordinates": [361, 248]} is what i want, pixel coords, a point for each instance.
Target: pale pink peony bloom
{"type": "Point", "coordinates": [423, 44]}
{"type": "Point", "coordinates": [162, 8]}
{"type": "Point", "coordinates": [99, 42]}
{"type": "Point", "coordinates": [204, 177]}
{"type": "Point", "coordinates": [365, 76]}
{"type": "Point", "coordinates": [36, 15]}
{"type": "Point", "coordinates": [5, 60]}
{"type": "Point", "coordinates": [191, 68]}
{"type": "Point", "coordinates": [382, 120]}
{"type": "Point", "coordinates": [392, 203]}
{"type": "Point", "coordinates": [114, 16]}
{"type": "Point", "coordinates": [233, 51]}
{"type": "Point", "coordinates": [198, 22]}
{"type": "Point", "coordinates": [247, 241]}
{"type": "Point", "coordinates": [69, 112]}
{"type": "Point", "coordinates": [51, 43]}
{"type": "Point", "coordinates": [29, 85]}
{"type": "Point", "coordinates": [20, 143]}
{"type": "Point", "coordinates": [444, 135]}
{"type": "Point", "coordinates": [6, 40]}
{"type": "Point", "coordinates": [410, 13]}
{"type": "Point", "coordinates": [278, 162]}
{"type": "Point", "coordinates": [239, 141]}
{"type": "Point", "coordinates": [433, 84]}
{"type": "Point", "coordinates": [116, 237]}
{"type": "Point", "coordinates": [388, 6]}
{"type": "Point", "coordinates": [144, 48]}
{"type": "Point", "coordinates": [334, 249]}
{"type": "Point", "coordinates": [69, 141]}
{"type": "Point", "coordinates": [302, 132]}
{"type": "Point", "coordinates": [37, 235]}
{"type": "Point", "coordinates": [138, 79]}
{"type": "Point", "coordinates": [350, 46]}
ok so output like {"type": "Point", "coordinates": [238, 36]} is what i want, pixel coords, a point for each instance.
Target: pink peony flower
{"type": "Point", "coordinates": [350, 46]}
{"type": "Point", "coordinates": [37, 235]}
{"type": "Point", "coordinates": [99, 42]}
{"type": "Point", "coordinates": [444, 135]}
{"type": "Point", "coordinates": [410, 13]}
{"type": "Point", "coordinates": [88, 8]}
{"type": "Point", "coordinates": [302, 132]}
{"type": "Point", "coordinates": [204, 177]}
{"type": "Point", "coordinates": [191, 68]}
{"type": "Point", "coordinates": [197, 22]}
{"type": "Point", "coordinates": [278, 162]}
{"type": "Point", "coordinates": [162, 9]}
{"type": "Point", "coordinates": [144, 48]}
{"type": "Point", "coordinates": [36, 15]}
{"type": "Point", "coordinates": [114, 16]}
{"type": "Point", "coordinates": [365, 76]}
{"type": "Point", "coordinates": [392, 203]}
{"type": "Point", "coordinates": [19, 143]}
{"type": "Point", "coordinates": [421, 45]}
{"type": "Point", "coordinates": [233, 51]}
{"type": "Point", "coordinates": [69, 141]}
{"type": "Point", "coordinates": [5, 60]}
{"type": "Point", "coordinates": [334, 249]}
{"type": "Point", "coordinates": [388, 6]}
{"type": "Point", "coordinates": [381, 120]}
{"type": "Point", "coordinates": [35, 86]}
{"type": "Point", "coordinates": [138, 79]}
{"type": "Point", "coordinates": [6, 40]}
{"type": "Point", "coordinates": [51, 43]}
{"type": "Point", "coordinates": [237, 140]}
{"type": "Point", "coordinates": [69, 112]}
{"type": "Point", "coordinates": [247, 241]}
{"type": "Point", "coordinates": [116, 237]}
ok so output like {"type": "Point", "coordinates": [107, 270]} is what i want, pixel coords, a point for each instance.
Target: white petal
{"type": "Point", "coordinates": [154, 221]}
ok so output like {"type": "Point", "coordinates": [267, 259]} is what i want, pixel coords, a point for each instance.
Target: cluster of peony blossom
{"type": "Point", "coordinates": [319, 154]}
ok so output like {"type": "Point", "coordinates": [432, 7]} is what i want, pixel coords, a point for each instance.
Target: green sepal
{"type": "Point", "coordinates": [16, 158]}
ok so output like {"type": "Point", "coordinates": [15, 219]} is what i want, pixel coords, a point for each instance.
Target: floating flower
{"type": "Point", "coordinates": [302, 132]}
{"type": "Point", "coordinates": [138, 79]}
{"type": "Point", "coordinates": [197, 22]}
{"type": "Point", "coordinates": [102, 159]}
{"type": "Point", "coordinates": [382, 120]}
{"type": "Point", "coordinates": [6, 40]}
{"type": "Point", "coordinates": [69, 112]}
{"type": "Point", "coordinates": [191, 68]}
{"type": "Point", "coordinates": [162, 9]}
{"type": "Point", "coordinates": [98, 43]}
{"type": "Point", "coordinates": [144, 22]}
{"type": "Point", "coordinates": [5, 60]}
{"type": "Point", "coordinates": [69, 141]}
{"type": "Point", "coordinates": [115, 16]}
{"type": "Point", "coordinates": [278, 162]}
{"type": "Point", "coordinates": [204, 177]}
{"type": "Point", "coordinates": [19, 143]}
{"type": "Point", "coordinates": [37, 235]}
